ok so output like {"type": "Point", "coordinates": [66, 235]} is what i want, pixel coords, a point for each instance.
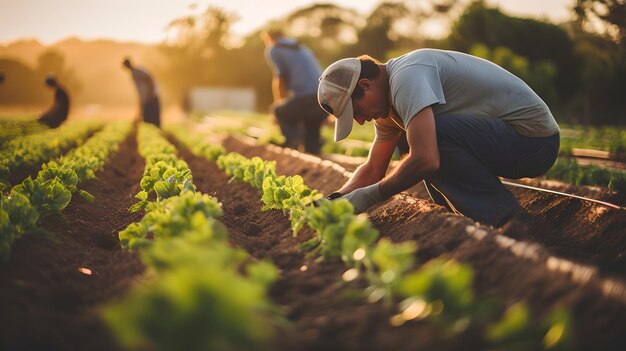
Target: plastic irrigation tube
{"type": "Point", "coordinates": [564, 194]}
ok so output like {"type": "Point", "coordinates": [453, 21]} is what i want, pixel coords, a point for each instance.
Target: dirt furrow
{"type": "Point", "coordinates": [499, 270]}
{"type": "Point", "coordinates": [323, 313]}
{"type": "Point", "coordinates": [581, 231]}
{"type": "Point", "coordinates": [47, 303]}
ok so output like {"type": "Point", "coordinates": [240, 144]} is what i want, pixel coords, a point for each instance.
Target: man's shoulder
{"type": "Point", "coordinates": [287, 48]}
{"type": "Point", "coordinates": [408, 69]}
{"type": "Point", "coordinates": [426, 57]}
{"type": "Point", "coordinates": [288, 43]}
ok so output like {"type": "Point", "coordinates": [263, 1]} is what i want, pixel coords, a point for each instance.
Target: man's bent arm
{"type": "Point", "coordinates": [374, 169]}
{"type": "Point", "coordinates": [422, 160]}
{"type": "Point", "coordinates": [279, 88]}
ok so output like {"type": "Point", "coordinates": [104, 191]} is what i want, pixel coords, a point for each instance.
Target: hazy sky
{"type": "Point", "coordinates": [145, 20]}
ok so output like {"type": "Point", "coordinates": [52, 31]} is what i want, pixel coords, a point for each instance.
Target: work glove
{"type": "Point", "coordinates": [334, 195]}
{"type": "Point", "coordinates": [329, 197]}
{"type": "Point", "coordinates": [362, 198]}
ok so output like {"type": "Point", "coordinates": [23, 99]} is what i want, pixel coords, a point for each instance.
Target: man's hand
{"type": "Point", "coordinates": [362, 198]}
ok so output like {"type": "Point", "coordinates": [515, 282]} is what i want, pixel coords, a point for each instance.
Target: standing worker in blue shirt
{"type": "Point", "coordinates": [294, 87]}
{"type": "Point", "coordinates": [148, 93]}
{"type": "Point", "coordinates": [468, 121]}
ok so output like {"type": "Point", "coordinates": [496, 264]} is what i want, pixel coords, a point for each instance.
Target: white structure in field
{"type": "Point", "coordinates": [216, 98]}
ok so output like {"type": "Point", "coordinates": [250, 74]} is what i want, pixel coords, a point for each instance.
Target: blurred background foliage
{"type": "Point", "coordinates": [577, 67]}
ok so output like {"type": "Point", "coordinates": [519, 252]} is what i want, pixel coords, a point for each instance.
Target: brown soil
{"type": "Point", "coordinates": [565, 227]}
{"type": "Point", "coordinates": [46, 302]}
{"type": "Point", "coordinates": [318, 306]}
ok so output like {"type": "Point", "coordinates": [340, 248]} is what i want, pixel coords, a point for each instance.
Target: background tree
{"type": "Point", "coordinates": [612, 13]}
{"type": "Point", "coordinates": [194, 52]}
{"type": "Point", "coordinates": [53, 62]}
{"type": "Point", "coordinates": [538, 42]}
{"type": "Point", "coordinates": [25, 86]}
{"type": "Point", "coordinates": [325, 28]}
{"type": "Point", "coordinates": [21, 84]}
{"type": "Point", "coordinates": [580, 74]}
{"type": "Point", "coordinates": [381, 33]}
{"type": "Point", "coordinates": [602, 51]}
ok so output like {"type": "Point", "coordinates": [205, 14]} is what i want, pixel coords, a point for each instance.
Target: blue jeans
{"type": "Point", "coordinates": [300, 119]}
{"type": "Point", "coordinates": [473, 153]}
{"type": "Point", "coordinates": [151, 111]}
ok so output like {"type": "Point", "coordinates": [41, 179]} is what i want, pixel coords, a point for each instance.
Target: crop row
{"type": "Point", "coordinates": [611, 139]}
{"type": "Point", "coordinates": [200, 294]}
{"type": "Point", "coordinates": [11, 129]}
{"type": "Point", "coordinates": [440, 290]}
{"type": "Point", "coordinates": [28, 203]}
{"type": "Point", "coordinates": [32, 149]}
{"type": "Point", "coordinates": [568, 170]}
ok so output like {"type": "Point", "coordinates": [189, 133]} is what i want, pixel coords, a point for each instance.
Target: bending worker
{"type": "Point", "coordinates": [57, 113]}
{"type": "Point", "coordinates": [294, 86]}
{"type": "Point", "coordinates": [467, 122]}
{"type": "Point", "coordinates": [148, 93]}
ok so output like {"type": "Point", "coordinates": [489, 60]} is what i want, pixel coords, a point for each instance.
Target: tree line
{"type": "Point", "coordinates": [581, 74]}
{"type": "Point", "coordinates": [577, 69]}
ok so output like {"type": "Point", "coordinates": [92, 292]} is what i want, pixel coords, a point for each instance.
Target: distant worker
{"type": "Point", "coordinates": [59, 110]}
{"type": "Point", "coordinates": [148, 93]}
{"type": "Point", "coordinates": [1, 77]}
{"type": "Point", "coordinates": [468, 122]}
{"type": "Point", "coordinates": [296, 75]}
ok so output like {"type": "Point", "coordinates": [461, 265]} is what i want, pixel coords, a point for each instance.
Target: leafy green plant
{"type": "Point", "coordinates": [48, 197]}
{"type": "Point", "coordinates": [289, 194]}
{"type": "Point", "coordinates": [31, 149]}
{"type": "Point", "coordinates": [387, 265]}
{"type": "Point", "coordinates": [11, 129]}
{"type": "Point", "coordinates": [570, 171]}
{"type": "Point", "coordinates": [51, 191]}
{"type": "Point", "coordinates": [198, 145]}
{"type": "Point", "coordinates": [611, 139]}
{"type": "Point", "coordinates": [173, 216]}
{"type": "Point", "coordinates": [441, 290]}
{"type": "Point", "coordinates": [17, 217]}
{"type": "Point", "coordinates": [252, 171]}
{"type": "Point", "coordinates": [164, 174]}
{"type": "Point", "coordinates": [330, 220]}
{"type": "Point", "coordinates": [517, 331]}
{"type": "Point", "coordinates": [445, 281]}
{"type": "Point", "coordinates": [203, 295]}
{"type": "Point", "coordinates": [204, 308]}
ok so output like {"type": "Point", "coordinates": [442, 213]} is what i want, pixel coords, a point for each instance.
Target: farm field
{"type": "Point", "coordinates": [202, 263]}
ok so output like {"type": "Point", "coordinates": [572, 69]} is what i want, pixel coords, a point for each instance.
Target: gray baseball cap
{"type": "Point", "coordinates": [335, 90]}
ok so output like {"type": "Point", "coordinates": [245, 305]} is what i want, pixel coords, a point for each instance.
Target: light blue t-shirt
{"type": "Point", "coordinates": [296, 64]}
{"type": "Point", "coordinates": [457, 83]}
